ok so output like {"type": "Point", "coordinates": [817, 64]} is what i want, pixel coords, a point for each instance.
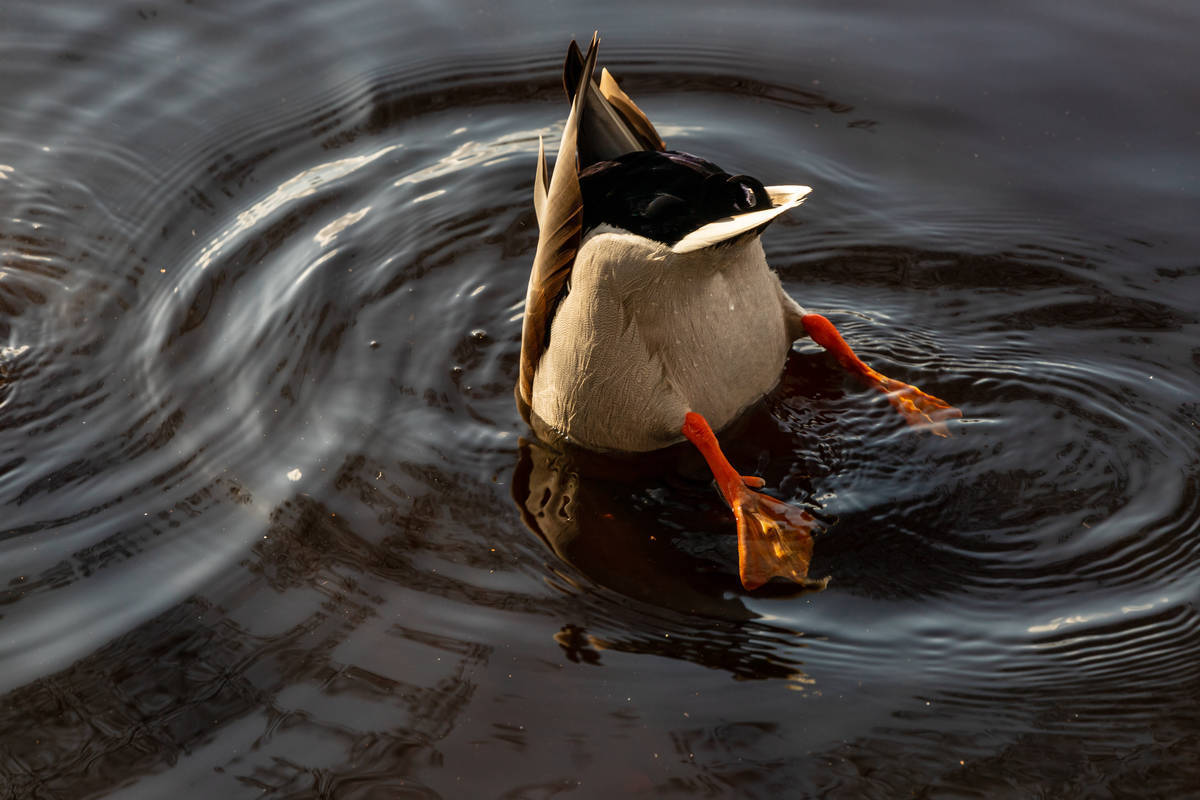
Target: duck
{"type": "Point", "coordinates": [652, 316]}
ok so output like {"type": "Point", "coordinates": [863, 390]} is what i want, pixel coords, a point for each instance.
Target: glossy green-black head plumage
{"type": "Point", "coordinates": [664, 195]}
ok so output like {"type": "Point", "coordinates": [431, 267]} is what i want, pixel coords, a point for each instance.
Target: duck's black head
{"type": "Point", "coordinates": [664, 195]}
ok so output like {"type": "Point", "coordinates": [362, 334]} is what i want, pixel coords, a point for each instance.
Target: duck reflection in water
{"type": "Point", "coordinates": [652, 316]}
{"type": "Point", "coordinates": [606, 517]}
{"type": "Point", "coordinates": [610, 520]}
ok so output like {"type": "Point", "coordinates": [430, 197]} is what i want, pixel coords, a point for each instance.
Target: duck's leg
{"type": "Point", "coordinates": [774, 538]}
{"type": "Point", "coordinates": [917, 407]}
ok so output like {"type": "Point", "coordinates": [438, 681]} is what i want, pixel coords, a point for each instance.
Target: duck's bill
{"type": "Point", "coordinates": [783, 198]}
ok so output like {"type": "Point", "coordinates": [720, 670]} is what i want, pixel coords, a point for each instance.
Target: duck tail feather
{"type": "Point", "coordinates": [606, 130]}
{"type": "Point", "coordinates": [635, 119]}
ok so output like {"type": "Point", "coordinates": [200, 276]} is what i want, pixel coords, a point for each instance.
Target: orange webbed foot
{"type": "Point", "coordinates": [774, 539]}
{"type": "Point", "coordinates": [919, 409]}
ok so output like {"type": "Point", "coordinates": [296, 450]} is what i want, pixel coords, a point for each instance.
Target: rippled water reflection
{"type": "Point", "coordinates": [272, 527]}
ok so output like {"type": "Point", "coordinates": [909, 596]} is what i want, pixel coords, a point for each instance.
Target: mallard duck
{"type": "Point", "coordinates": [652, 316]}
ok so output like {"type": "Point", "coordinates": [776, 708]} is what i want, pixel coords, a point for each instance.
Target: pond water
{"type": "Point", "coordinates": [271, 525]}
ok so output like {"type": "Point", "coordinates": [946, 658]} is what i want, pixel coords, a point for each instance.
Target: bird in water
{"type": "Point", "coordinates": [652, 316]}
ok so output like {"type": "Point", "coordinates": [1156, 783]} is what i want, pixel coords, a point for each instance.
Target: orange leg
{"type": "Point", "coordinates": [917, 407]}
{"type": "Point", "coordinates": [774, 538]}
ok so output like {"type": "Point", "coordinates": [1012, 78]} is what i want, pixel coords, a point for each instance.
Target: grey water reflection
{"type": "Point", "coordinates": [305, 644]}
{"type": "Point", "coordinates": [248, 667]}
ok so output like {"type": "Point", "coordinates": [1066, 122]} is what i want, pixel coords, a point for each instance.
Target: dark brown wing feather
{"type": "Point", "coordinates": [604, 123]}
{"type": "Point", "coordinates": [573, 67]}
{"type": "Point", "coordinates": [560, 221]}
{"type": "Point", "coordinates": [541, 184]}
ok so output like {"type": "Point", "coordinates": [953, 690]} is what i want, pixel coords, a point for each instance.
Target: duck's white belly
{"type": "Point", "coordinates": [646, 335]}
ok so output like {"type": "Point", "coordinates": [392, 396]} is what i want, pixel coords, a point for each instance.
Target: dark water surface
{"type": "Point", "coordinates": [270, 522]}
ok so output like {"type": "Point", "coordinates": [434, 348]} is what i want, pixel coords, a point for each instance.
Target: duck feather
{"type": "Point", "coordinates": [603, 123]}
